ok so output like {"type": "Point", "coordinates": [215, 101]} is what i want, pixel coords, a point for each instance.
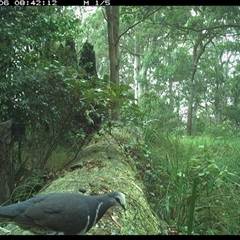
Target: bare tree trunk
{"type": "Point", "coordinates": [136, 76]}
{"type": "Point", "coordinates": [198, 50]}
{"type": "Point", "coordinates": [145, 84]}
{"type": "Point", "coordinates": [6, 161]}
{"type": "Point", "coordinates": [112, 13]}
{"type": "Point", "coordinates": [190, 102]}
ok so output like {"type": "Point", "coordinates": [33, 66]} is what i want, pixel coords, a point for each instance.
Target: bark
{"type": "Point", "coordinates": [112, 13]}
{"type": "Point", "coordinates": [6, 161]}
{"type": "Point", "coordinates": [190, 103]}
{"type": "Point", "coordinates": [137, 84]}
{"type": "Point", "coordinates": [198, 50]}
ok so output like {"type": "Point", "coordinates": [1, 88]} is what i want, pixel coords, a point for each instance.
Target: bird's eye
{"type": "Point", "coordinates": [118, 199]}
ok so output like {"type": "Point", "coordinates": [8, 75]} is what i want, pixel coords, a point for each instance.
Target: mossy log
{"type": "Point", "coordinates": [103, 166]}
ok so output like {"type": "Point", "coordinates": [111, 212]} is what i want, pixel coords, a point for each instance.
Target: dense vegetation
{"type": "Point", "coordinates": [178, 92]}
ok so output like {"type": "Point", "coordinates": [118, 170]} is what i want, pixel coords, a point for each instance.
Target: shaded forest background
{"type": "Point", "coordinates": [177, 91]}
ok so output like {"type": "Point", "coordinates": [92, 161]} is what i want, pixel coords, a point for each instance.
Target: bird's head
{"type": "Point", "coordinates": [118, 199]}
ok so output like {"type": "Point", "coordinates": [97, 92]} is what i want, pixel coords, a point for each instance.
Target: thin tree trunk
{"type": "Point", "coordinates": [198, 50]}
{"type": "Point", "coordinates": [136, 75]}
{"type": "Point", "coordinates": [112, 13]}
{"type": "Point", "coordinates": [190, 103]}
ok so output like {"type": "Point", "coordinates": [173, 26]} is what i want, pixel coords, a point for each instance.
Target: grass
{"type": "Point", "coordinates": [194, 182]}
{"type": "Point", "coordinates": [58, 159]}
{"type": "Point", "coordinates": [30, 178]}
{"type": "Point", "coordinates": [192, 206]}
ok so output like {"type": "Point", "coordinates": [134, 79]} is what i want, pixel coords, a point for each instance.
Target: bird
{"type": "Point", "coordinates": [61, 213]}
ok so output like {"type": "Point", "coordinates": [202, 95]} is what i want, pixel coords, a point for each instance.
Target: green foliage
{"type": "Point", "coordinates": [191, 181]}
{"type": "Point", "coordinates": [156, 111]}
{"type": "Point", "coordinates": [226, 130]}
{"type": "Point", "coordinates": [164, 43]}
{"type": "Point", "coordinates": [192, 206]}
{"type": "Point", "coordinates": [44, 86]}
{"type": "Point", "coordinates": [233, 114]}
{"type": "Point", "coordinates": [97, 38]}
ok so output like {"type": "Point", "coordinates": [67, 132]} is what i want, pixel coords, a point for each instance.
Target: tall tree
{"type": "Point", "coordinates": [112, 13]}
{"type": "Point", "coordinates": [202, 40]}
{"type": "Point", "coordinates": [201, 26]}
{"type": "Point", "coordinates": [169, 52]}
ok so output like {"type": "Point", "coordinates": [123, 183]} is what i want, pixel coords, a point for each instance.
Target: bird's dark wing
{"type": "Point", "coordinates": [66, 213]}
{"type": "Point", "coordinates": [13, 210]}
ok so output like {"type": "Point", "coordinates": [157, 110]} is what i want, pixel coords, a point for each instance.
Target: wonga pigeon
{"type": "Point", "coordinates": [61, 213]}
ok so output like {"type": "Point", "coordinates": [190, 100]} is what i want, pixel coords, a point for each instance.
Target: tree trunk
{"type": "Point", "coordinates": [102, 168]}
{"type": "Point", "coordinates": [112, 13]}
{"type": "Point", "coordinates": [190, 103]}
{"type": "Point", "coordinates": [137, 84]}
{"type": "Point", "coordinates": [198, 50]}
{"type": "Point", "coordinates": [6, 161]}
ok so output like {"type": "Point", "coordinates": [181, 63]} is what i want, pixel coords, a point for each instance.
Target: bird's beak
{"type": "Point", "coordinates": [123, 206]}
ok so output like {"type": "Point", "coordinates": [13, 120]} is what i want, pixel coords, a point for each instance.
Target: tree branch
{"type": "Point", "coordinates": [135, 24]}
{"type": "Point", "coordinates": [209, 28]}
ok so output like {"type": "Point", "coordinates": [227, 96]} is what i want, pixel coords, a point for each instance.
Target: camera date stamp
{"type": "Point", "coordinates": [50, 2]}
{"type": "Point", "coordinates": [28, 2]}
